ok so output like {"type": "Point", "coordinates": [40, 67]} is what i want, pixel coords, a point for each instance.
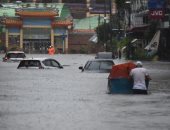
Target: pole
{"type": "Point", "coordinates": [110, 11]}
{"type": "Point", "coordinates": [105, 46]}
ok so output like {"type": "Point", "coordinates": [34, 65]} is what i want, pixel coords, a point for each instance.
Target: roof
{"type": "Point", "coordinates": [12, 22]}
{"type": "Point", "coordinates": [87, 23]}
{"type": "Point", "coordinates": [62, 23]}
{"type": "Point", "coordinates": [65, 13]}
{"type": "Point", "coordinates": [45, 13]}
{"type": "Point", "coordinates": [101, 60]}
{"type": "Point", "coordinates": [15, 52]}
{"type": "Point", "coordinates": [41, 59]}
{"type": "Point", "coordinates": [139, 28]}
{"type": "Point", "coordinates": [7, 12]}
{"type": "Point", "coordinates": [9, 8]}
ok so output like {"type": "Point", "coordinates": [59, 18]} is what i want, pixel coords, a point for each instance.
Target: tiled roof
{"type": "Point", "coordinates": [8, 12]}
{"type": "Point", "coordinates": [12, 22]}
{"type": "Point", "coordinates": [84, 30]}
{"type": "Point", "coordinates": [88, 23]}
{"type": "Point", "coordinates": [37, 14]}
{"type": "Point", "coordinates": [62, 23]}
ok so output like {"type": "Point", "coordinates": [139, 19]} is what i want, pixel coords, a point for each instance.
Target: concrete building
{"type": "Point", "coordinates": [140, 15]}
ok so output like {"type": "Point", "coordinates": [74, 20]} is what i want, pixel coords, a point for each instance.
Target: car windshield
{"type": "Point", "coordinates": [106, 65]}
{"type": "Point", "coordinates": [98, 65]}
{"type": "Point", "coordinates": [93, 65]}
{"type": "Point", "coordinates": [30, 63]}
{"type": "Point", "coordinates": [16, 55]}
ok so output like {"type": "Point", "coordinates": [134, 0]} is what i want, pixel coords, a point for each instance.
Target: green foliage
{"type": "Point", "coordinates": [103, 32]}
{"type": "Point", "coordinates": [140, 54]}
{"type": "Point", "coordinates": [83, 50]}
{"type": "Point", "coordinates": [123, 42]}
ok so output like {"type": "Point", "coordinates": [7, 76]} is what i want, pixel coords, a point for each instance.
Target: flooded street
{"type": "Point", "coordinates": [68, 99]}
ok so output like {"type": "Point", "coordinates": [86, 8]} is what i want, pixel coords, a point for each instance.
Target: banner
{"type": "Point", "coordinates": [152, 47]}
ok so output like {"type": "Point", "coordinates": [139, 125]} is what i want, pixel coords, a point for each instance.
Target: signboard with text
{"type": "Point", "coordinates": [156, 14]}
{"type": "Point", "coordinates": [156, 9]}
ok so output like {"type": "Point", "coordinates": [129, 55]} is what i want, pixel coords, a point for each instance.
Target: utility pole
{"type": "Point", "coordinates": [105, 45]}
{"type": "Point", "coordinates": [110, 12]}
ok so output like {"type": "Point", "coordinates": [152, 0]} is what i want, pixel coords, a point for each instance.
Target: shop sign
{"type": "Point", "coordinates": [156, 14]}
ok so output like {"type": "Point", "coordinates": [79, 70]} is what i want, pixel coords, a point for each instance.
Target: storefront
{"type": "Point", "coordinates": [34, 30]}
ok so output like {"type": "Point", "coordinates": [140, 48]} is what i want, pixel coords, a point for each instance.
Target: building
{"type": "Point", "coordinates": [140, 15]}
{"type": "Point", "coordinates": [78, 8]}
{"type": "Point", "coordinates": [34, 27]}
{"type": "Point", "coordinates": [85, 16]}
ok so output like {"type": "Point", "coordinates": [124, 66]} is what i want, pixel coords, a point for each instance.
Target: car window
{"type": "Point", "coordinates": [12, 55]}
{"type": "Point", "coordinates": [51, 62]}
{"type": "Point", "coordinates": [55, 63]}
{"type": "Point", "coordinates": [47, 62]}
{"type": "Point", "coordinates": [29, 63]}
{"type": "Point", "coordinates": [21, 55]}
{"type": "Point", "coordinates": [93, 65]}
{"type": "Point", "coordinates": [106, 65]}
{"type": "Point", "coordinates": [34, 63]}
{"type": "Point", "coordinates": [16, 55]}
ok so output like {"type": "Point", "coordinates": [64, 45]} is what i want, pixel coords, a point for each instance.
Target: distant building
{"type": "Point", "coordinates": [33, 28]}
{"type": "Point", "coordinates": [83, 15]}
{"type": "Point", "coordinates": [139, 16]}
{"type": "Point", "coordinates": [79, 8]}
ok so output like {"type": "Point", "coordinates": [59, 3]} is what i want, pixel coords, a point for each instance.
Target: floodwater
{"type": "Point", "coordinates": [68, 99]}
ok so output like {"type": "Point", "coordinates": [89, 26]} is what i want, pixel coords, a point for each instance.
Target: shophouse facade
{"type": "Point", "coordinates": [92, 12]}
{"type": "Point", "coordinates": [142, 14]}
{"type": "Point", "coordinates": [34, 27]}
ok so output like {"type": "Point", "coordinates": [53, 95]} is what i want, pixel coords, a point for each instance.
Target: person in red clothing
{"type": "Point", "coordinates": [51, 50]}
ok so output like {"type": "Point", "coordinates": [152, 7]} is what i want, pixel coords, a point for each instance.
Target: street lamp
{"type": "Point", "coordinates": [90, 8]}
{"type": "Point", "coordinates": [129, 13]}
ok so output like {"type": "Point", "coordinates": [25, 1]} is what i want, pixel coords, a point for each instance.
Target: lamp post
{"type": "Point", "coordinates": [129, 13]}
{"type": "Point", "coordinates": [110, 12]}
{"type": "Point", "coordinates": [105, 45]}
{"type": "Point", "coordinates": [90, 8]}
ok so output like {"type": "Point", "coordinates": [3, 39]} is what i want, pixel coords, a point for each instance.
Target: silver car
{"type": "Point", "coordinates": [98, 65]}
{"type": "Point", "coordinates": [14, 56]}
{"type": "Point", "coordinates": [39, 63]}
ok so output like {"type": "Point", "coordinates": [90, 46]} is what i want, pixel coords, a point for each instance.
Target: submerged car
{"type": "Point", "coordinates": [39, 63]}
{"type": "Point", "coordinates": [104, 55]}
{"type": "Point", "coordinates": [98, 65]}
{"type": "Point", "coordinates": [14, 56]}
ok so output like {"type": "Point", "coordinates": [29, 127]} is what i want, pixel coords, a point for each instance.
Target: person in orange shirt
{"type": "Point", "coordinates": [51, 50]}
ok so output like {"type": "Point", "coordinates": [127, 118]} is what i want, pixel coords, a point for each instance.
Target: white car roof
{"type": "Point", "coordinates": [101, 60]}
{"type": "Point", "coordinates": [41, 59]}
{"type": "Point", "coordinates": [15, 52]}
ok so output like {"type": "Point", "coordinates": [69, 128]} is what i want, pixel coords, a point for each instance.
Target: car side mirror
{"type": "Point", "coordinates": [81, 68]}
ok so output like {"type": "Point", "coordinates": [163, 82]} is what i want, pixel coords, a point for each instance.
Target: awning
{"type": "Point", "coordinates": [138, 28]}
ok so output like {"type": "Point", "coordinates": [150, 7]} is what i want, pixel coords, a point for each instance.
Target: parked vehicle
{"type": "Point", "coordinates": [14, 56]}
{"type": "Point", "coordinates": [98, 65]}
{"type": "Point", "coordinates": [39, 63]}
{"type": "Point", "coordinates": [104, 55]}
{"type": "Point", "coordinates": [119, 81]}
